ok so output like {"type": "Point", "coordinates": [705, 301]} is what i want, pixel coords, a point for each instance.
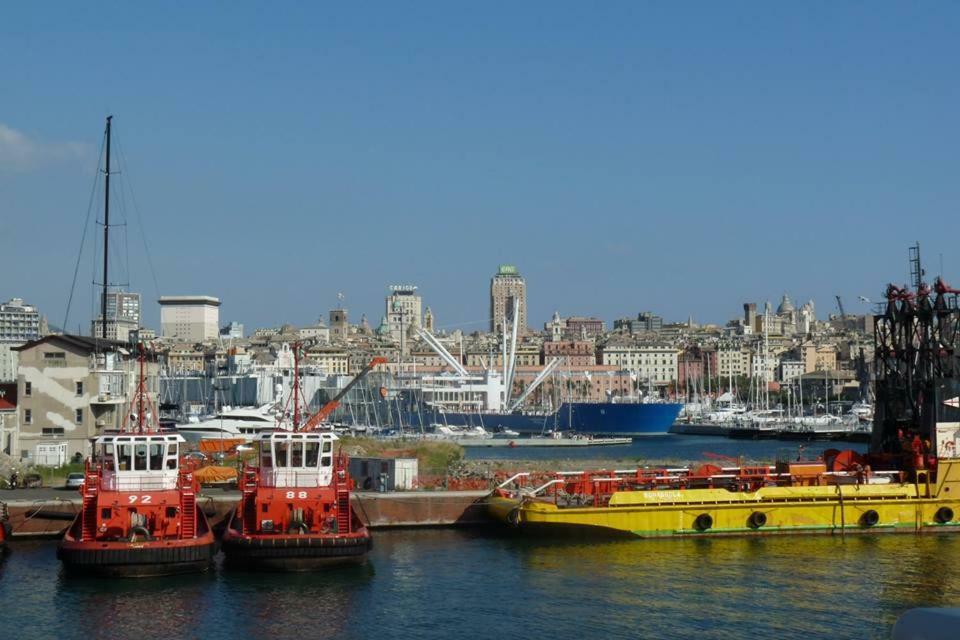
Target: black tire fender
{"type": "Point", "coordinates": [703, 522]}
{"type": "Point", "coordinates": [757, 519]}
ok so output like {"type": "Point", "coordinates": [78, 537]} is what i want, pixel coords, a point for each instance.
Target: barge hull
{"type": "Point", "coordinates": [799, 514]}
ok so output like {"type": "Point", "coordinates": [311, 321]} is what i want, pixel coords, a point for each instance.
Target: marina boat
{"type": "Point", "coordinates": [460, 433]}
{"type": "Point", "coordinates": [242, 422]}
{"type": "Point", "coordinates": [909, 481]}
{"type": "Point", "coordinates": [295, 512]}
{"type": "Point", "coordinates": [139, 515]}
{"type": "Point", "coordinates": [555, 439]}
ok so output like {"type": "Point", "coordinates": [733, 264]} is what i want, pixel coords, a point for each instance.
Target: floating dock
{"type": "Point", "coordinates": [543, 442]}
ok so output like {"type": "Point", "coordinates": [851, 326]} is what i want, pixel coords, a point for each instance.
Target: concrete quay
{"type": "Point", "coordinates": [39, 513]}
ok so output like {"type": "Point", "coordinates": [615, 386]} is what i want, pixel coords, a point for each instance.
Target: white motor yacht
{"type": "Point", "coordinates": [243, 422]}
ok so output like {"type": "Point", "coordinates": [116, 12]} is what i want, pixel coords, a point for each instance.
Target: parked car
{"type": "Point", "coordinates": [74, 481]}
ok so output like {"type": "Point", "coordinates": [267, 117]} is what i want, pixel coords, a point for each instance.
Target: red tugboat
{"type": "Point", "coordinates": [140, 515]}
{"type": "Point", "coordinates": [295, 512]}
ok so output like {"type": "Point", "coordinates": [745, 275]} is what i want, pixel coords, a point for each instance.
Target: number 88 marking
{"type": "Point", "coordinates": [292, 494]}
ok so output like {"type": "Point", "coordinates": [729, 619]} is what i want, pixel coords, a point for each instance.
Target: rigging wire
{"type": "Point", "coordinates": [83, 237]}
{"type": "Point", "coordinates": [136, 209]}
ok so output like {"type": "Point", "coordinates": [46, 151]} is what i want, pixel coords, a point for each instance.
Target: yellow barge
{"type": "Point", "coordinates": [809, 501]}
{"type": "Point", "coordinates": [909, 480]}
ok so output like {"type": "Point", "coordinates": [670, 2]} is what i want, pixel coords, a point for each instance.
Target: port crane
{"type": "Point", "coordinates": [843, 314]}
{"type": "Point", "coordinates": [316, 419]}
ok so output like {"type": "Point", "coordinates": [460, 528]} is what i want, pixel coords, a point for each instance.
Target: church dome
{"type": "Point", "coordinates": [384, 328]}
{"type": "Point", "coordinates": [785, 305]}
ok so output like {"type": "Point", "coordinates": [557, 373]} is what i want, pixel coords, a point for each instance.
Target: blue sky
{"type": "Point", "coordinates": [677, 157]}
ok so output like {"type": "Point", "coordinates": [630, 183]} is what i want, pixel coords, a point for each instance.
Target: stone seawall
{"type": "Point", "coordinates": [49, 515]}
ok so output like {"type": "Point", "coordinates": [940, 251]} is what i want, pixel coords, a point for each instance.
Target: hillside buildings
{"type": "Point", "coordinates": [403, 311]}
{"type": "Point", "coordinates": [19, 323]}
{"type": "Point", "coordinates": [123, 316]}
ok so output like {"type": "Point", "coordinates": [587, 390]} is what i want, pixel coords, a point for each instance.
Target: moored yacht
{"type": "Point", "coordinates": [243, 422]}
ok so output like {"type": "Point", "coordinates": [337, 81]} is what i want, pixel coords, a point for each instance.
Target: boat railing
{"type": "Point", "coordinates": [543, 487]}
{"type": "Point", "coordinates": [306, 478]}
{"type": "Point", "coordinates": [111, 482]}
{"type": "Point", "coordinates": [511, 479]}
{"type": "Point", "coordinates": [602, 484]}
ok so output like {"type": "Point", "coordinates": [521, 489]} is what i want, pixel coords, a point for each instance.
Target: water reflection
{"type": "Point", "coordinates": [283, 605]}
{"type": "Point", "coordinates": [822, 585]}
{"type": "Point", "coordinates": [485, 583]}
{"type": "Point", "coordinates": [145, 608]}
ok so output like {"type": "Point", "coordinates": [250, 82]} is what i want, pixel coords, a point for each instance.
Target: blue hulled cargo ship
{"type": "Point", "coordinates": [591, 418]}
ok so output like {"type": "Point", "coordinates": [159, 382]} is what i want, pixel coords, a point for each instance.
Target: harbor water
{"type": "Point", "coordinates": [486, 583]}
{"type": "Point", "coordinates": [668, 448]}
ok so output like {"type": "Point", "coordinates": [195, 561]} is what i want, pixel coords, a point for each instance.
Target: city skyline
{"type": "Point", "coordinates": [610, 154]}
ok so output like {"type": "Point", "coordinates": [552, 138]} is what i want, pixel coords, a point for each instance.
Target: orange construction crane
{"type": "Point", "coordinates": [331, 406]}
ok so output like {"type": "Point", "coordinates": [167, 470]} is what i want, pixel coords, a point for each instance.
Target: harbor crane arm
{"type": "Point", "coordinates": [442, 351]}
{"type": "Point", "coordinates": [331, 406]}
{"type": "Point", "coordinates": [510, 360]}
{"type": "Point", "coordinates": [547, 370]}
{"type": "Point", "coordinates": [843, 315]}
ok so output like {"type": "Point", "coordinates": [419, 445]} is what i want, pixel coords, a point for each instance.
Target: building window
{"type": "Point", "coordinates": [27, 416]}
{"type": "Point", "coordinates": [79, 388]}
{"type": "Point", "coordinates": [27, 388]}
{"type": "Point", "coordinates": [78, 418]}
{"type": "Point", "coordinates": [53, 431]}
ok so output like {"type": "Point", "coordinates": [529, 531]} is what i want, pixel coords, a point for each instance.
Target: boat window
{"type": "Point", "coordinates": [327, 446]}
{"type": "Point", "coordinates": [326, 460]}
{"type": "Point", "coordinates": [107, 457]}
{"type": "Point", "coordinates": [156, 457]}
{"type": "Point", "coordinates": [266, 460]}
{"type": "Point", "coordinates": [140, 457]}
{"type": "Point", "coordinates": [312, 451]}
{"type": "Point", "coordinates": [125, 457]}
{"type": "Point", "coordinates": [282, 449]}
{"type": "Point", "coordinates": [296, 454]}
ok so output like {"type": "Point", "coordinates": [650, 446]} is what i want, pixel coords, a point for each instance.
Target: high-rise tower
{"type": "Point", "coordinates": [507, 285]}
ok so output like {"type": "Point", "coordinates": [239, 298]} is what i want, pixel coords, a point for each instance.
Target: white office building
{"type": "Point", "coordinates": [189, 318]}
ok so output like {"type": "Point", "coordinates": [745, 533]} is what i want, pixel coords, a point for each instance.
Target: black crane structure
{"type": "Point", "coordinates": [916, 361]}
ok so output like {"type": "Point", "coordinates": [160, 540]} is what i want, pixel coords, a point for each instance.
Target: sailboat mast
{"type": "Point", "coordinates": [296, 386]}
{"type": "Point", "coordinates": [106, 237]}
